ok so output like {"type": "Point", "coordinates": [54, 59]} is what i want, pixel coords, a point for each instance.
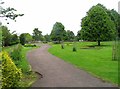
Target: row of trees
{"type": "Point", "coordinates": [100, 24]}
{"type": "Point", "coordinates": [9, 38]}
{"type": "Point", "coordinates": [57, 34]}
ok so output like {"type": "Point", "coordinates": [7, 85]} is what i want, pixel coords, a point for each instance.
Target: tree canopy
{"type": "Point", "coordinates": [70, 35]}
{"type": "Point", "coordinates": [78, 37]}
{"type": "Point", "coordinates": [5, 36]}
{"type": "Point", "coordinates": [58, 33]}
{"type": "Point", "coordinates": [47, 38]}
{"type": "Point", "coordinates": [25, 38]}
{"type": "Point", "coordinates": [37, 35]}
{"type": "Point", "coordinates": [97, 25]}
{"type": "Point", "coordinates": [8, 12]}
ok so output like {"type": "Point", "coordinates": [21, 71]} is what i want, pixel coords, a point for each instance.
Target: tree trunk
{"type": "Point", "coordinates": [98, 42]}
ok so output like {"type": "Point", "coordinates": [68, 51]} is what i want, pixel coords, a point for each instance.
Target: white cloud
{"type": "Point", "coordinates": [44, 13]}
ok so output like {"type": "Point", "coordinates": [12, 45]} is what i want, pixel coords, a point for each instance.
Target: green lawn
{"type": "Point", "coordinates": [95, 60]}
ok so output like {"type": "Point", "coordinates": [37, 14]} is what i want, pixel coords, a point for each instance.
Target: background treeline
{"type": "Point", "coordinates": [99, 24]}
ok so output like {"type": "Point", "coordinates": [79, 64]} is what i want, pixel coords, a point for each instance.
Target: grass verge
{"type": "Point", "coordinates": [29, 77]}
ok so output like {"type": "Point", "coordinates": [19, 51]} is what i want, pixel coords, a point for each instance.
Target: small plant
{"type": "Point", "coordinates": [62, 46]}
{"type": "Point", "coordinates": [74, 49]}
{"type": "Point", "coordinates": [11, 75]}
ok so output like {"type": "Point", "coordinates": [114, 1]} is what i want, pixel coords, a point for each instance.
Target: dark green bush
{"type": "Point", "coordinates": [15, 54]}
{"type": "Point", "coordinates": [29, 45]}
{"type": "Point", "coordinates": [11, 75]}
{"type": "Point", "coordinates": [74, 49]}
{"type": "Point", "coordinates": [62, 46]}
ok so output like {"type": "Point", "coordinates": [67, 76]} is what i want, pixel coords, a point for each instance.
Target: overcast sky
{"type": "Point", "coordinates": [43, 14]}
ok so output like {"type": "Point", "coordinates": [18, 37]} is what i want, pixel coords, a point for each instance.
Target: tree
{"type": "Point", "coordinates": [28, 37]}
{"type": "Point", "coordinates": [47, 38]}
{"type": "Point", "coordinates": [78, 37]}
{"type": "Point", "coordinates": [97, 25]}
{"type": "Point", "coordinates": [8, 12]}
{"type": "Point", "coordinates": [37, 35]}
{"type": "Point", "coordinates": [70, 35]}
{"type": "Point", "coordinates": [58, 33]}
{"type": "Point", "coordinates": [22, 39]}
{"type": "Point", "coordinates": [115, 17]}
{"type": "Point", "coordinates": [119, 27]}
{"type": "Point", "coordinates": [14, 39]}
{"type": "Point", "coordinates": [25, 38]}
{"type": "Point", "coordinates": [6, 36]}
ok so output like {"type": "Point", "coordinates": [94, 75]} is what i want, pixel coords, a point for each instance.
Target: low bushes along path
{"type": "Point", "coordinates": [58, 73]}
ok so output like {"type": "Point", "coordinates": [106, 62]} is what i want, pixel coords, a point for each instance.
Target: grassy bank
{"type": "Point", "coordinates": [95, 60]}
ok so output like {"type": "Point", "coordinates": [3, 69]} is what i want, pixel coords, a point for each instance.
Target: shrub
{"type": "Point", "coordinates": [62, 46]}
{"type": "Point", "coordinates": [16, 52]}
{"type": "Point", "coordinates": [74, 49]}
{"type": "Point", "coordinates": [11, 75]}
{"type": "Point", "coordinates": [29, 45]}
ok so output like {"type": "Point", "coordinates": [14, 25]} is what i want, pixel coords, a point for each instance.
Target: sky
{"type": "Point", "coordinates": [43, 14]}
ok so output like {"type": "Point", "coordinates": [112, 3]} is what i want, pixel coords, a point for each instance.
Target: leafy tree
{"type": "Point", "coordinates": [14, 39]}
{"type": "Point", "coordinates": [37, 35]}
{"type": "Point", "coordinates": [6, 36]}
{"type": "Point", "coordinates": [8, 12]}
{"type": "Point", "coordinates": [119, 27]}
{"type": "Point", "coordinates": [22, 39]}
{"type": "Point", "coordinates": [115, 17]}
{"type": "Point", "coordinates": [97, 25]}
{"type": "Point", "coordinates": [58, 33]}
{"type": "Point", "coordinates": [47, 38]}
{"type": "Point", "coordinates": [25, 38]}
{"type": "Point", "coordinates": [70, 35]}
{"type": "Point", "coordinates": [78, 37]}
{"type": "Point", "coordinates": [28, 37]}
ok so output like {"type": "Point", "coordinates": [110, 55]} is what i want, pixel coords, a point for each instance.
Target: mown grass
{"type": "Point", "coordinates": [28, 76]}
{"type": "Point", "coordinates": [95, 60]}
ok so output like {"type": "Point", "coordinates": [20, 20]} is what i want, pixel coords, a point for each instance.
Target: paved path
{"type": "Point", "coordinates": [57, 73]}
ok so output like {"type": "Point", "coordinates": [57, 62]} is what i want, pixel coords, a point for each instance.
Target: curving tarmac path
{"type": "Point", "coordinates": [57, 73]}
